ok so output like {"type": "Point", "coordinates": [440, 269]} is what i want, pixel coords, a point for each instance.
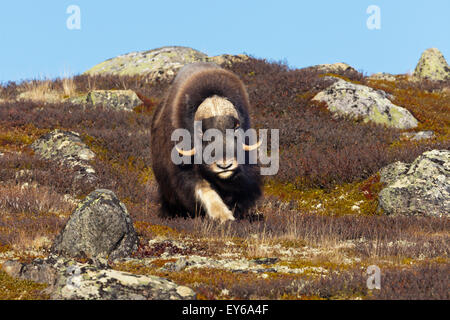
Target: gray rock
{"type": "Point", "coordinates": [432, 66]}
{"type": "Point", "coordinates": [421, 135]}
{"type": "Point", "coordinates": [158, 64]}
{"type": "Point", "coordinates": [392, 172]}
{"type": "Point", "coordinates": [100, 227]}
{"type": "Point", "coordinates": [161, 63]}
{"type": "Point", "coordinates": [419, 188]}
{"type": "Point", "coordinates": [38, 271]}
{"type": "Point", "coordinates": [67, 148]}
{"type": "Point", "coordinates": [176, 266]}
{"type": "Point", "coordinates": [71, 280]}
{"type": "Point", "coordinates": [84, 282]}
{"type": "Point", "coordinates": [265, 260]}
{"type": "Point", "coordinates": [357, 101]}
{"type": "Point", "coordinates": [115, 99]}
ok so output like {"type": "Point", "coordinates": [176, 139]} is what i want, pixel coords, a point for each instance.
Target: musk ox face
{"type": "Point", "coordinates": [220, 132]}
{"type": "Point", "coordinates": [225, 166]}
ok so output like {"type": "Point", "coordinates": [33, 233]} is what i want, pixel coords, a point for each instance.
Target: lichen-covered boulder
{"type": "Point", "coordinates": [71, 280]}
{"type": "Point", "coordinates": [100, 227]}
{"type": "Point", "coordinates": [67, 148]}
{"type": "Point", "coordinates": [432, 65]}
{"type": "Point", "coordinates": [115, 99]}
{"type": "Point", "coordinates": [392, 172]}
{"type": "Point", "coordinates": [357, 101]}
{"type": "Point", "coordinates": [161, 63]}
{"type": "Point", "coordinates": [419, 188]}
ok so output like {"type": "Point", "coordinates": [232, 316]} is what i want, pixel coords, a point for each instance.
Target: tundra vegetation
{"type": "Point", "coordinates": [312, 235]}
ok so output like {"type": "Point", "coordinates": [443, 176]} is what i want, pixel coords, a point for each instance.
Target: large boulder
{"type": "Point", "coordinates": [432, 65]}
{"type": "Point", "coordinates": [422, 187]}
{"type": "Point", "coordinates": [159, 64]}
{"type": "Point", "coordinates": [71, 280]}
{"type": "Point", "coordinates": [99, 228]}
{"type": "Point", "coordinates": [357, 101]}
{"type": "Point", "coordinates": [114, 99]}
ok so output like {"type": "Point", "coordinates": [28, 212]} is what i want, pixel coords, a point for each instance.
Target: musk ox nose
{"type": "Point", "coordinates": [224, 165]}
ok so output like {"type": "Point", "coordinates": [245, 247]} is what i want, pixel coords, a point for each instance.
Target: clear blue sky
{"type": "Point", "coordinates": [35, 41]}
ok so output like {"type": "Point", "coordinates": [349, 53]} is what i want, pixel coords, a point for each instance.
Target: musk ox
{"type": "Point", "coordinates": [223, 189]}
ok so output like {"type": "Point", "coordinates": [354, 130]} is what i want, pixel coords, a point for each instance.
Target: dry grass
{"type": "Point", "coordinates": [69, 87]}
{"type": "Point", "coordinates": [33, 199]}
{"type": "Point", "coordinates": [39, 91]}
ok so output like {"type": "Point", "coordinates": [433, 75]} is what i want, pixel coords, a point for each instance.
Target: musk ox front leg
{"type": "Point", "coordinates": [212, 202]}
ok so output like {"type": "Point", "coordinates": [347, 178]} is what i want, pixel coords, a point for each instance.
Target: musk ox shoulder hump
{"type": "Point", "coordinates": [195, 83]}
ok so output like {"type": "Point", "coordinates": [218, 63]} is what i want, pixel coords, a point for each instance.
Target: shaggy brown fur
{"type": "Point", "coordinates": [179, 184]}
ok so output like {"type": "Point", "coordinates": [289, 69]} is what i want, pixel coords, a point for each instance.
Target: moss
{"type": "Point", "coordinates": [16, 289]}
{"type": "Point", "coordinates": [17, 138]}
{"type": "Point", "coordinates": [292, 243]}
{"type": "Point", "coordinates": [151, 231]}
{"type": "Point", "coordinates": [308, 95]}
{"type": "Point", "coordinates": [4, 248]}
{"type": "Point", "coordinates": [309, 265]}
{"type": "Point", "coordinates": [340, 77]}
{"type": "Point", "coordinates": [134, 268]}
{"type": "Point", "coordinates": [350, 198]}
{"type": "Point", "coordinates": [159, 263]}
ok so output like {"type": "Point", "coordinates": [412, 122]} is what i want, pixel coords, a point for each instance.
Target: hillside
{"type": "Point", "coordinates": [354, 188]}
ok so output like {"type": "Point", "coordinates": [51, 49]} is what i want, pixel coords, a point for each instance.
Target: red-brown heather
{"type": "Point", "coordinates": [321, 158]}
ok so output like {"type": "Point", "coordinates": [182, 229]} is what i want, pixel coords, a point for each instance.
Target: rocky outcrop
{"type": "Point", "coordinates": [115, 99]}
{"type": "Point", "coordinates": [422, 187]}
{"type": "Point", "coordinates": [67, 148]}
{"type": "Point", "coordinates": [71, 280]}
{"type": "Point", "coordinates": [432, 66]}
{"type": "Point", "coordinates": [99, 228]}
{"type": "Point", "coordinates": [357, 101]}
{"type": "Point", "coordinates": [159, 64]}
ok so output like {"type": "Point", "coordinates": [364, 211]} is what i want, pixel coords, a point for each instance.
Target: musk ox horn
{"type": "Point", "coordinates": [187, 153]}
{"type": "Point", "coordinates": [251, 147]}
{"type": "Point", "coordinates": [215, 106]}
